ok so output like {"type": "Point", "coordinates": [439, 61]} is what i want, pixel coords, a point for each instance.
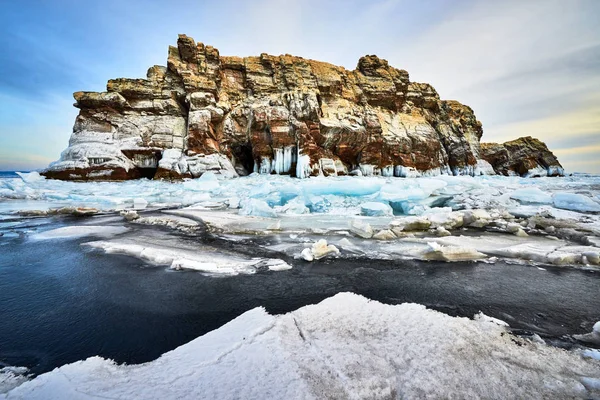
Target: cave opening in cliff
{"type": "Point", "coordinates": [145, 160]}
{"type": "Point", "coordinates": [243, 157]}
{"type": "Point", "coordinates": [147, 172]}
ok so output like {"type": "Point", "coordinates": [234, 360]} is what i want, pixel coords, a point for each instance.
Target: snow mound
{"type": "Point", "coordinates": [344, 347]}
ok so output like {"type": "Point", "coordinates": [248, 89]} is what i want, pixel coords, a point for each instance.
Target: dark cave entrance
{"type": "Point", "coordinates": [147, 172]}
{"type": "Point", "coordinates": [146, 161]}
{"type": "Point", "coordinates": [243, 157]}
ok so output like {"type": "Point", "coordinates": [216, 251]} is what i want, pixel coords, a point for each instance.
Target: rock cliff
{"type": "Point", "coordinates": [525, 156]}
{"type": "Point", "coordinates": [274, 114]}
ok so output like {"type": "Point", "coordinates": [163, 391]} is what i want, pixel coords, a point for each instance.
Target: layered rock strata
{"type": "Point", "coordinates": [268, 114]}
{"type": "Point", "coordinates": [526, 156]}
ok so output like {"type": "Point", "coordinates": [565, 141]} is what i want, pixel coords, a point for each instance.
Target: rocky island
{"type": "Point", "coordinates": [281, 115]}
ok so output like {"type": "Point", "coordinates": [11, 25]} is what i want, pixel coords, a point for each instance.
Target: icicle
{"type": "Point", "coordinates": [278, 163]}
{"type": "Point", "coordinates": [265, 166]}
{"type": "Point", "coordinates": [288, 152]}
{"type": "Point", "coordinates": [387, 171]}
{"type": "Point", "coordinates": [303, 168]}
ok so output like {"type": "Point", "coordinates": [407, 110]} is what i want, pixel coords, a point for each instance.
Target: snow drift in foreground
{"type": "Point", "coordinates": [343, 347]}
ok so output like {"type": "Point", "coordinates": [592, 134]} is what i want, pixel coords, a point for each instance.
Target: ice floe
{"type": "Point", "coordinates": [575, 202]}
{"type": "Point", "coordinates": [178, 255]}
{"type": "Point", "coordinates": [344, 347]}
{"type": "Point", "coordinates": [77, 231]}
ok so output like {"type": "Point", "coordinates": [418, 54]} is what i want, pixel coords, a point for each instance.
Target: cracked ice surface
{"type": "Point", "coordinates": [321, 195]}
{"type": "Point", "coordinates": [344, 347]}
{"type": "Point", "coordinates": [409, 214]}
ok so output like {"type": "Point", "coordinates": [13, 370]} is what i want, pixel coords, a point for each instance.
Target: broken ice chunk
{"type": "Point", "coordinates": [375, 209]}
{"type": "Point", "coordinates": [319, 250]}
{"type": "Point", "coordinates": [452, 253]}
{"type": "Point", "coordinates": [575, 202]}
{"type": "Point", "coordinates": [257, 208]}
{"type": "Point", "coordinates": [72, 232]}
{"type": "Point", "coordinates": [384, 234]}
{"type": "Point", "coordinates": [361, 228]}
{"type": "Point", "coordinates": [531, 195]}
{"type": "Point", "coordinates": [411, 223]}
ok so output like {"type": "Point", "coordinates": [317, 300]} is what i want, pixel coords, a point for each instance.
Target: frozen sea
{"type": "Point", "coordinates": [133, 270]}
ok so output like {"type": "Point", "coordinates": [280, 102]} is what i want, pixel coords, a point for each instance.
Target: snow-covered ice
{"type": "Point", "coordinates": [318, 250]}
{"type": "Point", "coordinates": [344, 347]}
{"type": "Point", "coordinates": [376, 208]}
{"type": "Point", "coordinates": [11, 377]}
{"type": "Point", "coordinates": [576, 202]}
{"type": "Point", "coordinates": [178, 255]}
{"type": "Point", "coordinates": [72, 232]}
{"type": "Point", "coordinates": [531, 195]}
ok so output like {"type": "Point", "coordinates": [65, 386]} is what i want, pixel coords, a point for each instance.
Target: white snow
{"type": "Point", "coordinates": [343, 347]}
{"type": "Point", "coordinates": [77, 231]}
{"type": "Point", "coordinates": [11, 377]}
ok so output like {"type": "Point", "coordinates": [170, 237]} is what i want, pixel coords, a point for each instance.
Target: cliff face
{"type": "Point", "coordinates": [268, 114]}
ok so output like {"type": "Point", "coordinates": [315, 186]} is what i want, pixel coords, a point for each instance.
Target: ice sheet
{"type": "Point", "coordinates": [72, 232]}
{"type": "Point", "coordinates": [343, 347]}
{"type": "Point", "coordinates": [180, 255]}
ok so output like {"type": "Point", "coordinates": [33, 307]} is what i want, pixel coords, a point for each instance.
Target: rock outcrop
{"type": "Point", "coordinates": [269, 114]}
{"type": "Point", "coordinates": [526, 156]}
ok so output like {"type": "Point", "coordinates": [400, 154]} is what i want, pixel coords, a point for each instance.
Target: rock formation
{"type": "Point", "coordinates": [525, 156]}
{"type": "Point", "coordinates": [272, 114]}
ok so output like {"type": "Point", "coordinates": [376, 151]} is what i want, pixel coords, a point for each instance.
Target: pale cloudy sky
{"type": "Point", "coordinates": [526, 67]}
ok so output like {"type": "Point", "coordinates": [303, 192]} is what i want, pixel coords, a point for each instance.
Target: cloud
{"type": "Point", "coordinates": [573, 124]}
{"type": "Point", "coordinates": [525, 67]}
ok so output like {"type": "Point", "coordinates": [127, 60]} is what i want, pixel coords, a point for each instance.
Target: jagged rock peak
{"type": "Point", "coordinates": [268, 114]}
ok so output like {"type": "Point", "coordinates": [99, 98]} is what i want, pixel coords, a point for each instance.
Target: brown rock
{"type": "Point", "coordinates": [525, 156]}
{"type": "Point", "coordinates": [275, 114]}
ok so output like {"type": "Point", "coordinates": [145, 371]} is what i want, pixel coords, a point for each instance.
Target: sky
{"type": "Point", "coordinates": [526, 67]}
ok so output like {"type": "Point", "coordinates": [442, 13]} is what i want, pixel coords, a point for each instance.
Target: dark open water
{"type": "Point", "coordinates": [60, 304]}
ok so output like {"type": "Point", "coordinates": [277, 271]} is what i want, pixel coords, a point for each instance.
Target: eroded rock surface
{"type": "Point", "coordinates": [525, 156]}
{"type": "Point", "coordinates": [273, 114]}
